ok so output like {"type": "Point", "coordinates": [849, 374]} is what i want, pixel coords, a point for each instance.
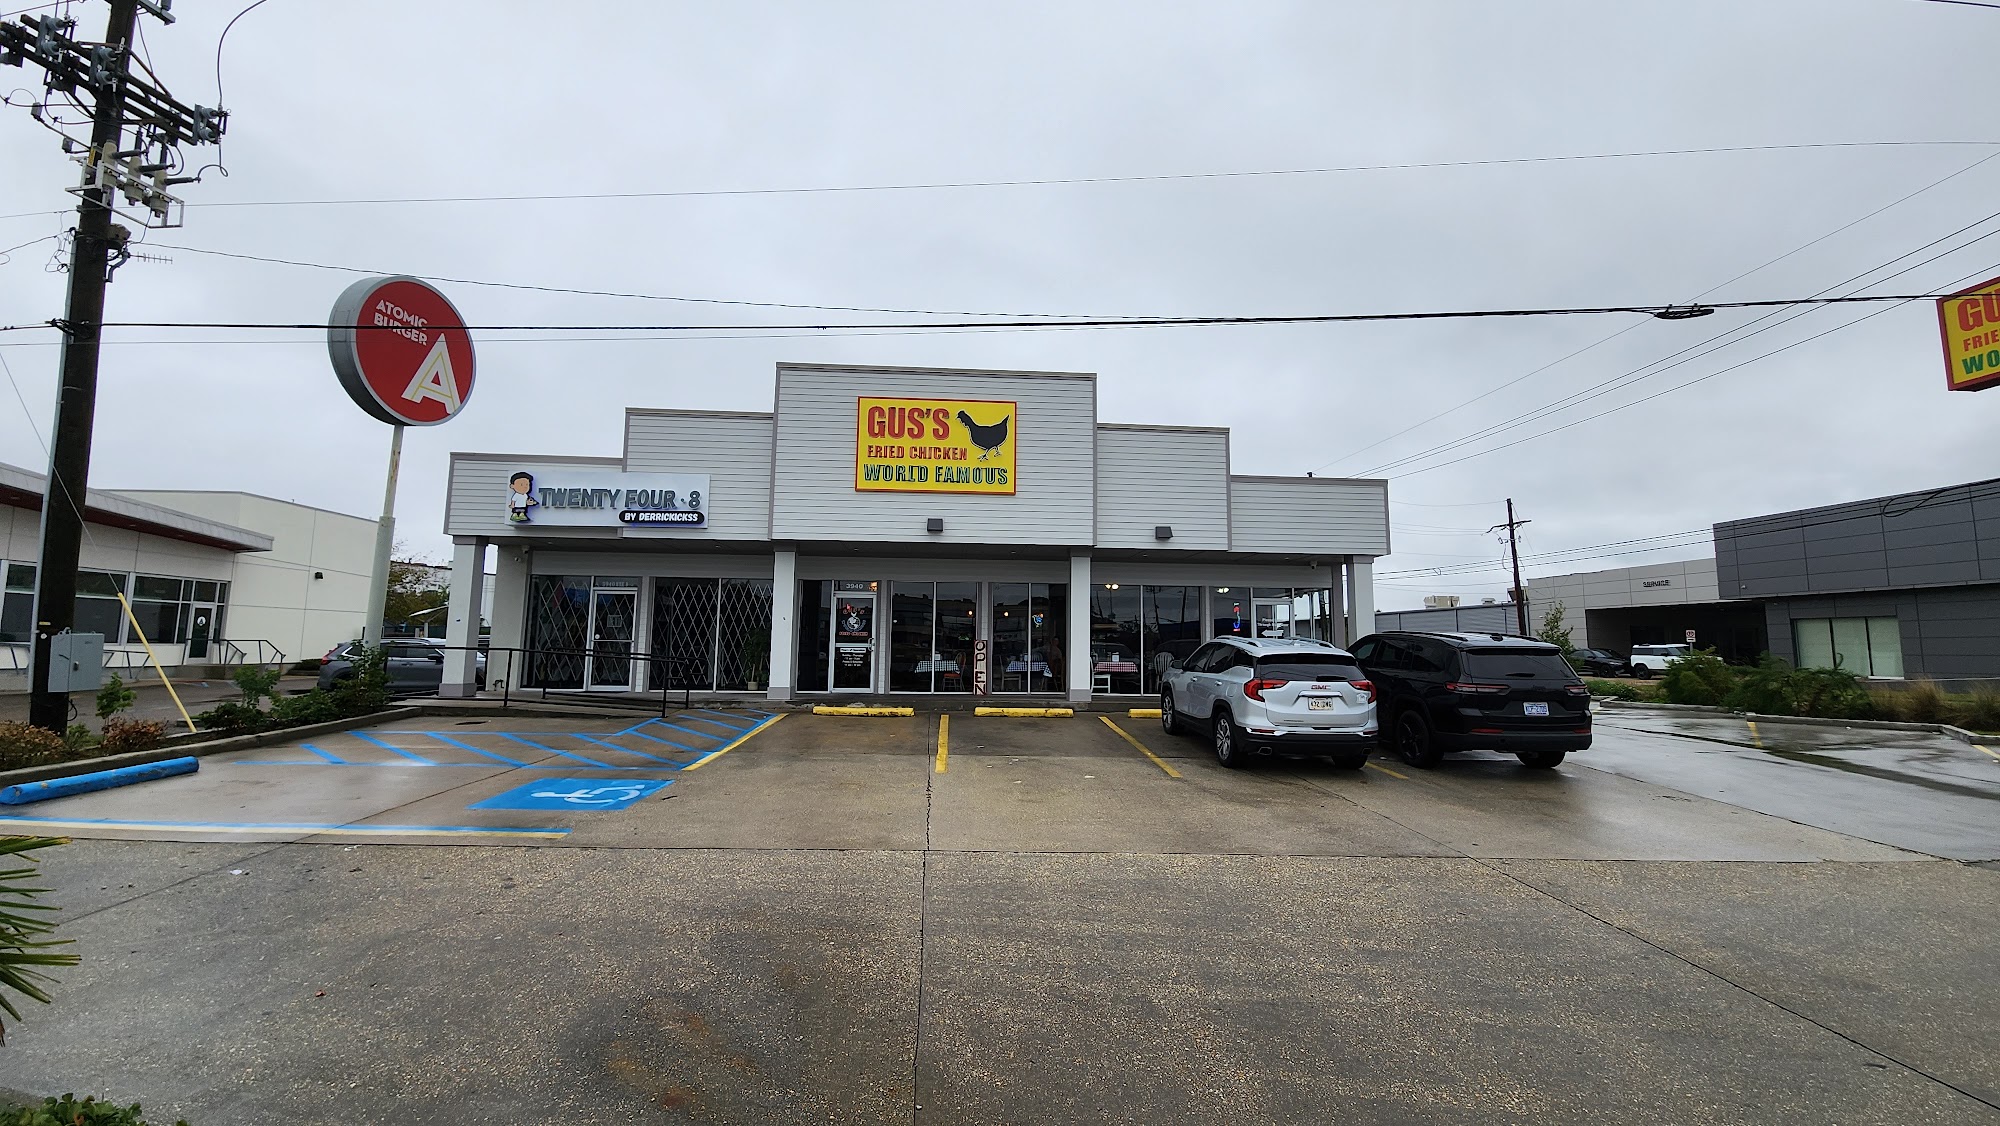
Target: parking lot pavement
{"type": "Point", "coordinates": [1913, 790]}
{"type": "Point", "coordinates": [984, 920]}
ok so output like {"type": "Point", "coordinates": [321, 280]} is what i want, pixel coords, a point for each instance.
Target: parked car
{"type": "Point", "coordinates": [1649, 660]}
{"type": "Point", "coordinates": [415, 666]}
{"type": "Point", "coordinates": [1599, 662]}
{"type": "Point", "coordinates": [1272, 696]}
{"type": "Point", "coordinates": [1445, 692]}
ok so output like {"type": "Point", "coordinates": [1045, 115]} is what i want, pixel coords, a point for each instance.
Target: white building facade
{"type": "Point", "coordinates": [896, 531]}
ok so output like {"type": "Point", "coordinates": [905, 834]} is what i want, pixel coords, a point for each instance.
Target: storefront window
{"type": "Point", "coordinates": [1172, 629]}
{"type": "Point", "coordinates": [1862, 646]}
{"type": "Point", "coordinates": [743, 625]}
{"type": "Point", "coordinates": [1116, 646]}
{"type": "Point", "coordinates": [931, 628]}
{"type": "Point", "coordinates": [814, 663]}
{"type": "Point", "coordinates": [684, 633]}
{"type": "Point", "coordinates": [1028, 624]}
{"type": "Point", "coordinates": [17, 604]}
{"type": "Point", "coordinates": [558, 630]}
{"type": "Point", "coordinates": [1229, 606]}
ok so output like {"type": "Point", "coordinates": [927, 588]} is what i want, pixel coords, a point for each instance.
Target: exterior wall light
{"type": "Point", "coordinates": [1163, 531]}
{"type": "Point", "coordinates": [934, 524]}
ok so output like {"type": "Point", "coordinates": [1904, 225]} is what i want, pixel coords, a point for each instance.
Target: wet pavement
{"type": "Point", "coordinates": [740, 917]}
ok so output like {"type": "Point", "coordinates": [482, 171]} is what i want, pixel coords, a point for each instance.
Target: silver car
{"type": "Point", "coordinates": [414, 666]}
{"type": "Point", "coordinates": [1295, 697]}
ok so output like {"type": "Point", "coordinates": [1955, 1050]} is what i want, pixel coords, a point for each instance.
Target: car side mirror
{"type": "Point", "coordinates": [1175, 663]}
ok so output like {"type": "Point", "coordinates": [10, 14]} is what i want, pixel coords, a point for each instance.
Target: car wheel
{"type": "Point", "coordinates": [1170, 720]}
{"type": "Point", "coordinates": [1643, 672]}
{"type": "Point", "coordinates": [1229, 750]}
{"type": "Point", "coordinates": [1542, 760]}
{"type": "Point", "coordinates": [1349, 760]}
{"type": "Point", "coordinates": [1413, 741]}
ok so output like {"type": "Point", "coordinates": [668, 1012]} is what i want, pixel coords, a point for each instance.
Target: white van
{"type": "Point", "coordinates": [1650, 659]}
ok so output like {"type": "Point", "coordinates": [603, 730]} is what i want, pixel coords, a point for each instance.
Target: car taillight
{"type": "Point", "coordinates": [1477, 689]}
{"type": "Point", "coordinates": [1255, 688]}
{"type": "Point", "coordinates": [1367, 686]}
{"type": "Point", "coordinates": [1577, 689]}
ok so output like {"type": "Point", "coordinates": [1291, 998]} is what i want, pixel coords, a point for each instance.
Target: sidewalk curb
{"type": "Point", "coordinates": [187, 746]}
{"type": "Point", "coordinates": [1945, 729]}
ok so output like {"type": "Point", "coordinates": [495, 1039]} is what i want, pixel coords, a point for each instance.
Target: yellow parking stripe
{"type": "Point", "coordinates": [1157, 760]}
{"type": "Point", "coordinates": [1389, 772]}
{"type": "Point", "coordinates": [1755, 738]}
{"type": "Point", "coordinates": [1984, 751]}
{"type": "Point", "coordinates": [944, 725]}
{"type": "Point", "coordinates": [735, 743]}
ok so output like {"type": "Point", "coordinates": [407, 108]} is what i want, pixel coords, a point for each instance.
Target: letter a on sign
{"type": "Point", "coordinates": [435, 380]}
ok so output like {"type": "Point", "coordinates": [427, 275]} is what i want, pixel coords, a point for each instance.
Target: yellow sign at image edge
{"type": "Point", "coordinates": [935, 445]}
{"type": "Point", "coordinates": [1969, 323]}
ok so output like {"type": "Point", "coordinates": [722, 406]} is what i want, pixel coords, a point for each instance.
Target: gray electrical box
{"type": "Point", "coordinates": [76, 662]}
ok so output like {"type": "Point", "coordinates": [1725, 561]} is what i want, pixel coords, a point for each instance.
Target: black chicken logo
{"type": "Point", "coordinates": [989, 437]}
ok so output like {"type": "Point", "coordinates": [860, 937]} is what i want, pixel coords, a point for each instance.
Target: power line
{"type": "Point", "coordinates": [1648, 371]}
{"type": "Point", "coordinates": [632, 295]}
{"type": "Point", "coordinates": [1671, 312]}
{"type": "Point", "coordinates": [1063, 181]}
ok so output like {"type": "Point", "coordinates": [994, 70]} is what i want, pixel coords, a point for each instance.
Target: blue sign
{"type": "Point", "coordinates": [574, 793]}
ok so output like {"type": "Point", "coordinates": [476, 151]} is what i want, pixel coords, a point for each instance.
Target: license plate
{"type": "Point", "coordinates": [1534, 709]}
{"type": "Point", "coordinates": [1325, 704]}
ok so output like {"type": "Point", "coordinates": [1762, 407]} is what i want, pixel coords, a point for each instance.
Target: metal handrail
{"type": "Point", "coordinates": [267, 653]}
{"type": "Point", "coordinates": [519, 656]}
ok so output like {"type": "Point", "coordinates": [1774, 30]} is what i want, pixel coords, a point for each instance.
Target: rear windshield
{"type": "Point", "coordinates": [1308, 666]}
{"type": "Point", "coordinates": [1516, 664]}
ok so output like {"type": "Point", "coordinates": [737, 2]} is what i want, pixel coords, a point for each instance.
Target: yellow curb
{"type": "Point", "coordinates": [1032, 713]}
{"type": "Point", "coordinates": [1143, 713]}
{"type": "Point", "coordinates": [944, 743]}
{"type": "Point", "coordinates": [830, 709]}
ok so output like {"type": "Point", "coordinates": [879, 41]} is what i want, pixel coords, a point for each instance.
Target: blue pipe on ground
{"type": "Point", "coordinates": [27, 792]}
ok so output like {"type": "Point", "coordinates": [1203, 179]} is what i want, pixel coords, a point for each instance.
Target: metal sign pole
{"type": "Point", "coordinates": [385, 540]}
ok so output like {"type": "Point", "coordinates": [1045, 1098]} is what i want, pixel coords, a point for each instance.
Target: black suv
{"type": "Point", "coordinates": [1445, 692]}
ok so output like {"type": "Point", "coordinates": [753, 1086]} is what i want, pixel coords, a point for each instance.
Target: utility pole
{"type": "Point", "coordinates": [1513, 527]}
{"type": "Point", "coordinates": [159, 125]}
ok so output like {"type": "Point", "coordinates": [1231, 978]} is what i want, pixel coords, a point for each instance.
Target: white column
{"type": "Point", "coordinates": [1360, 598]}
{"type": "Point", "coordinates": [509, 613]}
{"type": "Point", "coordinates": [784, 625]}
{"type": "Point", "coordinates": [461, 631]}
{"type": "Point", "coordinates": [1077, 645]}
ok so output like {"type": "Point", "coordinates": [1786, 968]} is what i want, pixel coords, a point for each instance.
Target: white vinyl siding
{"type": "Point", "coordinates": [476, 500]}
{"type": "Point", "coordinates": [815, 497]}
{"type": "Point", "coordinates": [1317, 515]}
{"type": "Point", "coordinates": [733, 449]}
{"type": "Point", "coordinates": [1153, 475]}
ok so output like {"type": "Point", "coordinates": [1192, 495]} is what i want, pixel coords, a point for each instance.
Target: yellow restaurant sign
{"type": "Point", "coordinates": [1970, 322]}
{"type": "Point", "coordinates": [934, 446]}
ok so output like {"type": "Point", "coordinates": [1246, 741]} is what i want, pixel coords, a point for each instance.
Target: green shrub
{"type": "Point", "coordinates": [114, 697]}
{"type": "Point", "coordinates": [366, 688]}
{"type": "Point", "coordinates": [1612, 689]}
{"type": "Point", "coordinates": [124, 736]}
{"type": "Point", "coordinates": [1775, 688]}
{"type": "Point", "coordinates": [311, 707]}
{"type": "Point", "coordinates": [22, 745]}
{"type": "Point", "coordinates": [256, 683]}
{"type": "Point", "coordinates": [1921, 701]}
{"type": "Point", "coordinates": [231, 718]}
{"type": "Point", "coordinates": [1701, 677]}
{"type": "Point", "coordinates": [69, 1111]}
{"type": "Point", "coordinates": [1980, 710]}
{"type": "Point", "coordinates": [79, 742]}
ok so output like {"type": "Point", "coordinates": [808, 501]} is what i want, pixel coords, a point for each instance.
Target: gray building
{"type": "Point", "coordinates": [1650, 605]}
{"type": "Point", "coordinates": [897, 530]}
{"type": "Point", "coordinates": [1906, 585]}
{"type": "Point", "coordinates": [1486, 617]}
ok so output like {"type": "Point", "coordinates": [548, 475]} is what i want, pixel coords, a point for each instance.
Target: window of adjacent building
{"type": "Point", "coordinates": [1863, 646]}
{"type": "Point", "coordinates": [164, 606]}
{"type": "Point", "coordinates": [1137, 631]}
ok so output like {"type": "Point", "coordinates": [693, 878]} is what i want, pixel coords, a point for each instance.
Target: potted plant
{"type": "Point", "coordinates": [756, 654]}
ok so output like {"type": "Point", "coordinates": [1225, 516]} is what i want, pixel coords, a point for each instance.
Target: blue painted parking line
{"type": "Point", "coordinates": [694, 731]}
{"type": "Point", "coordinates": [722, 719]}
{"type": "Point", "coordinates": [446, 739]}
{"type": "Point", "coordinates": [676, 763]}
{"type": "Point", "coordinates": [269, 827]}
{"type": "Point", "coordinates": [525, 741]}
{"type": "Point", "coordinates": [411, 755]}
{"type": "Point", "coordinates": [670, 742]}
{"type": "Point", "coordinates": [332, 758]}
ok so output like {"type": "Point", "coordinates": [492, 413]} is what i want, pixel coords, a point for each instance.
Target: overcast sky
{"type": "Point", "coordinates": [371, 100]}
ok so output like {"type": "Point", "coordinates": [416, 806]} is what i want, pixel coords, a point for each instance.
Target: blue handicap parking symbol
{"type": "Point", "coordinates": [574, 793]}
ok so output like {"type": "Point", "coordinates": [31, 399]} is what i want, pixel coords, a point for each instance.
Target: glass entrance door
{"type": "Point", "coordinates": [613, 615]}
{"type": "Point", "coordinates": [1271, 617]}
{"type": "Point", "coordinates": [853, 641]}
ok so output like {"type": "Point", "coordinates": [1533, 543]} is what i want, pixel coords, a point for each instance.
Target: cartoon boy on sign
{"type": "Point", "coordinates": [521, 498]}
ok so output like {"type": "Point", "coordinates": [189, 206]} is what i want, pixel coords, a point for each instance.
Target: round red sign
{"type": "Point", "coordinates": [401, 351]}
